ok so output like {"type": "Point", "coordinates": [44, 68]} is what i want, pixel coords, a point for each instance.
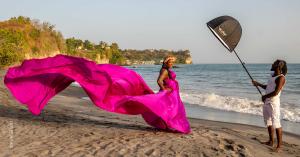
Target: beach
{"type": "Point", "coordinates": [72, 126]}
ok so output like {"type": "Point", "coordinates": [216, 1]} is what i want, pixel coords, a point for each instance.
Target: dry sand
{"type": "Point", "coordinates": [70, 126]}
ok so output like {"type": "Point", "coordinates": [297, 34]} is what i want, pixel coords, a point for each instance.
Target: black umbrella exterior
{"type": "Point", "coordinates": [228, 31]}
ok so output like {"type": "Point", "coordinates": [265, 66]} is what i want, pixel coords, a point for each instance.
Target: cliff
{"type": "Point", "coordinates": [22, 38]}
{"type": "Point", "coordinates": [153, 56]}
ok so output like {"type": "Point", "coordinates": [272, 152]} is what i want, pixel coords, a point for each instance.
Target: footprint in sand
{"type": "Point", "coordinates": [238, 149]}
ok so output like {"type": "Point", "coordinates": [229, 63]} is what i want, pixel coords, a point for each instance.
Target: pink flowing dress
{"type": "Point", "coordinates": [110, 87]}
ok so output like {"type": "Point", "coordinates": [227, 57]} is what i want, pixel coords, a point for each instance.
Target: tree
{"type": "Point", "coordinates": [88, 45]}
{"type": "Point", "coordinates": [47, 26]}
{"type": "Point", "coordinates": [20, 20]}
{"type": "Point", "coordinates": [73, 44]}
{"type": "Point", "coordinates": [102, 44]}
{"type": "Point", "coordinates": [116, 56]}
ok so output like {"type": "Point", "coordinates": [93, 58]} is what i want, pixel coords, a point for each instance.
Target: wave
{"type": "Point", "coordinates": [289, 112]}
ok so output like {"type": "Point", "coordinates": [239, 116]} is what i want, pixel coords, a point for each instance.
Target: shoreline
{"type": "Point", "coordinates": [206, 113]}
{"type": "Point", "coordinates": [195, 111]}
{"type": "Point", "coordinates": [242, 125]}
{"type": "Point", "coordinates": [71, 126]}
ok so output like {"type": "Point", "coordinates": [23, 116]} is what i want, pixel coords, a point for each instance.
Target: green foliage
{"type": "Point", "coordinates": [116, 57]}
{"type": "Point", "coordinates": [11, 42]}
{"type": "Point", "coordinates": [35, 50]}
{"type": "Point", "coordinates": [20, 20]}
{"type": "Point", "coordinates": [73, 44]}
{"type": "Point", "coordinates": [35, 34]}
{"type": "Point", "coordinates": [93, 51]}
{"type": "Point", "coordinates": [155, 55]}
{"type": "Point", "coordinates": [12, 36]}
{"type": "Point", "coordinates": [8, 55]}
{"type": "Point", "coordinates": [88, 45]}
{"type": "Point", "coordinates": [20, 36]}
{"type": "Point", "coordinates": [61, 44]}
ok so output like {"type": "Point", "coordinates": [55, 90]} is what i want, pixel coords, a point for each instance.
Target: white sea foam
{"type": "Point", "coordinates": [86, 98]}
{"type": "Point", "coordinates": [230, 103]}
{"type": "Point", "coordinates": [76, 84]}
{"type": "Point", "coordinates": [237, 104]}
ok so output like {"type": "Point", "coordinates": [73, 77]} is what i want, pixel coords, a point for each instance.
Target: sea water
{"type": "Point", "coordinates": [224, 92]}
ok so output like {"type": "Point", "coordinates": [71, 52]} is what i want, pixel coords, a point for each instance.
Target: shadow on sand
{"type": "Point", "coordinates": [51, 116]}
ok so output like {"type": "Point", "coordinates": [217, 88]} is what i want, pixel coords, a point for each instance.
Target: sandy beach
{"type": "Point", "coordinates": [71, 126]}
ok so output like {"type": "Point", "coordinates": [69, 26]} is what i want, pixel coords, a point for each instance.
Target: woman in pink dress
{"type": "Point", "coordinates": [110, 87]}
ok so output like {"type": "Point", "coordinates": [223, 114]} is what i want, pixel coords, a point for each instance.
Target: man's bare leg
{"type": "Point", "coordinates": [271, 137]}
{"type": "Point", "coordinates": [279, 139]}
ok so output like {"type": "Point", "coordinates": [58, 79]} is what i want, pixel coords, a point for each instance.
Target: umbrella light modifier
{"type": "Point", "coordinates": [228, 31]}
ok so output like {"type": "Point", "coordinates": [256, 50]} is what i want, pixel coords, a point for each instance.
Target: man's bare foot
{"type": "Point", "coordinates": [269, 143]}
{"type": "Point", "coordinates": [277, 149]}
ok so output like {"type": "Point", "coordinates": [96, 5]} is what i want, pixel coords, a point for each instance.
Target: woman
{"type": "Point", "coordinates": [169, 88]}
{"type": "Point", "coordinates": [271, 108]}
{"type": "Point", "coordinates": [110, 87]}
{"type": "Point", "coordinates": [165, 74]}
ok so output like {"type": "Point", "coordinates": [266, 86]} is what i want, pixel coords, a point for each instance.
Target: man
{"type": "Point", "coordinates": [271, 108]}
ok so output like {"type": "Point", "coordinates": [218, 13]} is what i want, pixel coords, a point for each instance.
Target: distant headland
{"type": "Point", "coordinates": [22, 38]}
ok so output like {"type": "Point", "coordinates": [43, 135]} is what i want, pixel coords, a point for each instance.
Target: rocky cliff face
{"type": "Point", "coordinates": [43, 55]}
{"type": "Point", "coordinates": [103, 60]}
{"type": "Point", "coordinates": [188, 60]}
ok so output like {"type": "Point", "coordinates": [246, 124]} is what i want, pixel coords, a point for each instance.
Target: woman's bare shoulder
{"type": "Point", "coordinates": [163, 70]}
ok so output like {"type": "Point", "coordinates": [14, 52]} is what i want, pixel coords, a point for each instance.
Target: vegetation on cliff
{"type": "Point", "coordinates": [156, 56]}
{"type": "Point", "coordinates": [101, 53]}
{"type": "Point", "coordinates": [115, 55]}
{"type": "Point", "coordinates": [22, 38]}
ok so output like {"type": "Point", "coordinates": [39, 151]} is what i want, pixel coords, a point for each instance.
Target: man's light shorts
{"type": "Point", "coordinates": [271, 113]}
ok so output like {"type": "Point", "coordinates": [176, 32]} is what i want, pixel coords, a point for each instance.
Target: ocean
{"type": "Point", "coordinates": [224, 92]}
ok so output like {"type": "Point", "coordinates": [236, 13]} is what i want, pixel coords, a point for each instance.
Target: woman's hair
{"type": "Point", "coordinates": [282, 66]}
{"type": "Point", "coordinates": [166, 59]}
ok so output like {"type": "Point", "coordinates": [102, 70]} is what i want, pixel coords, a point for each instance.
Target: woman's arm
{"type": "Point", "coordinates": [160, 80]}
{"type": "Point", "coordinates": [255, 83]}
{"type": "Point", "coordinates": [279, 84]}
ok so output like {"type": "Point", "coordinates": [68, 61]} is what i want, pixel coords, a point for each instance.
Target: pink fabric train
{"type": "Point", "coordinates": [110, 87]}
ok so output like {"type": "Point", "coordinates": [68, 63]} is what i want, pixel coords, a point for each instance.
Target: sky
{"type": "Point", "coordinates": [271, 28]}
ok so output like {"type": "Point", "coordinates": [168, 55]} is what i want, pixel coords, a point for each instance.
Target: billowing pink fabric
{"type": "Point", "coordinates": [110, 87]}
